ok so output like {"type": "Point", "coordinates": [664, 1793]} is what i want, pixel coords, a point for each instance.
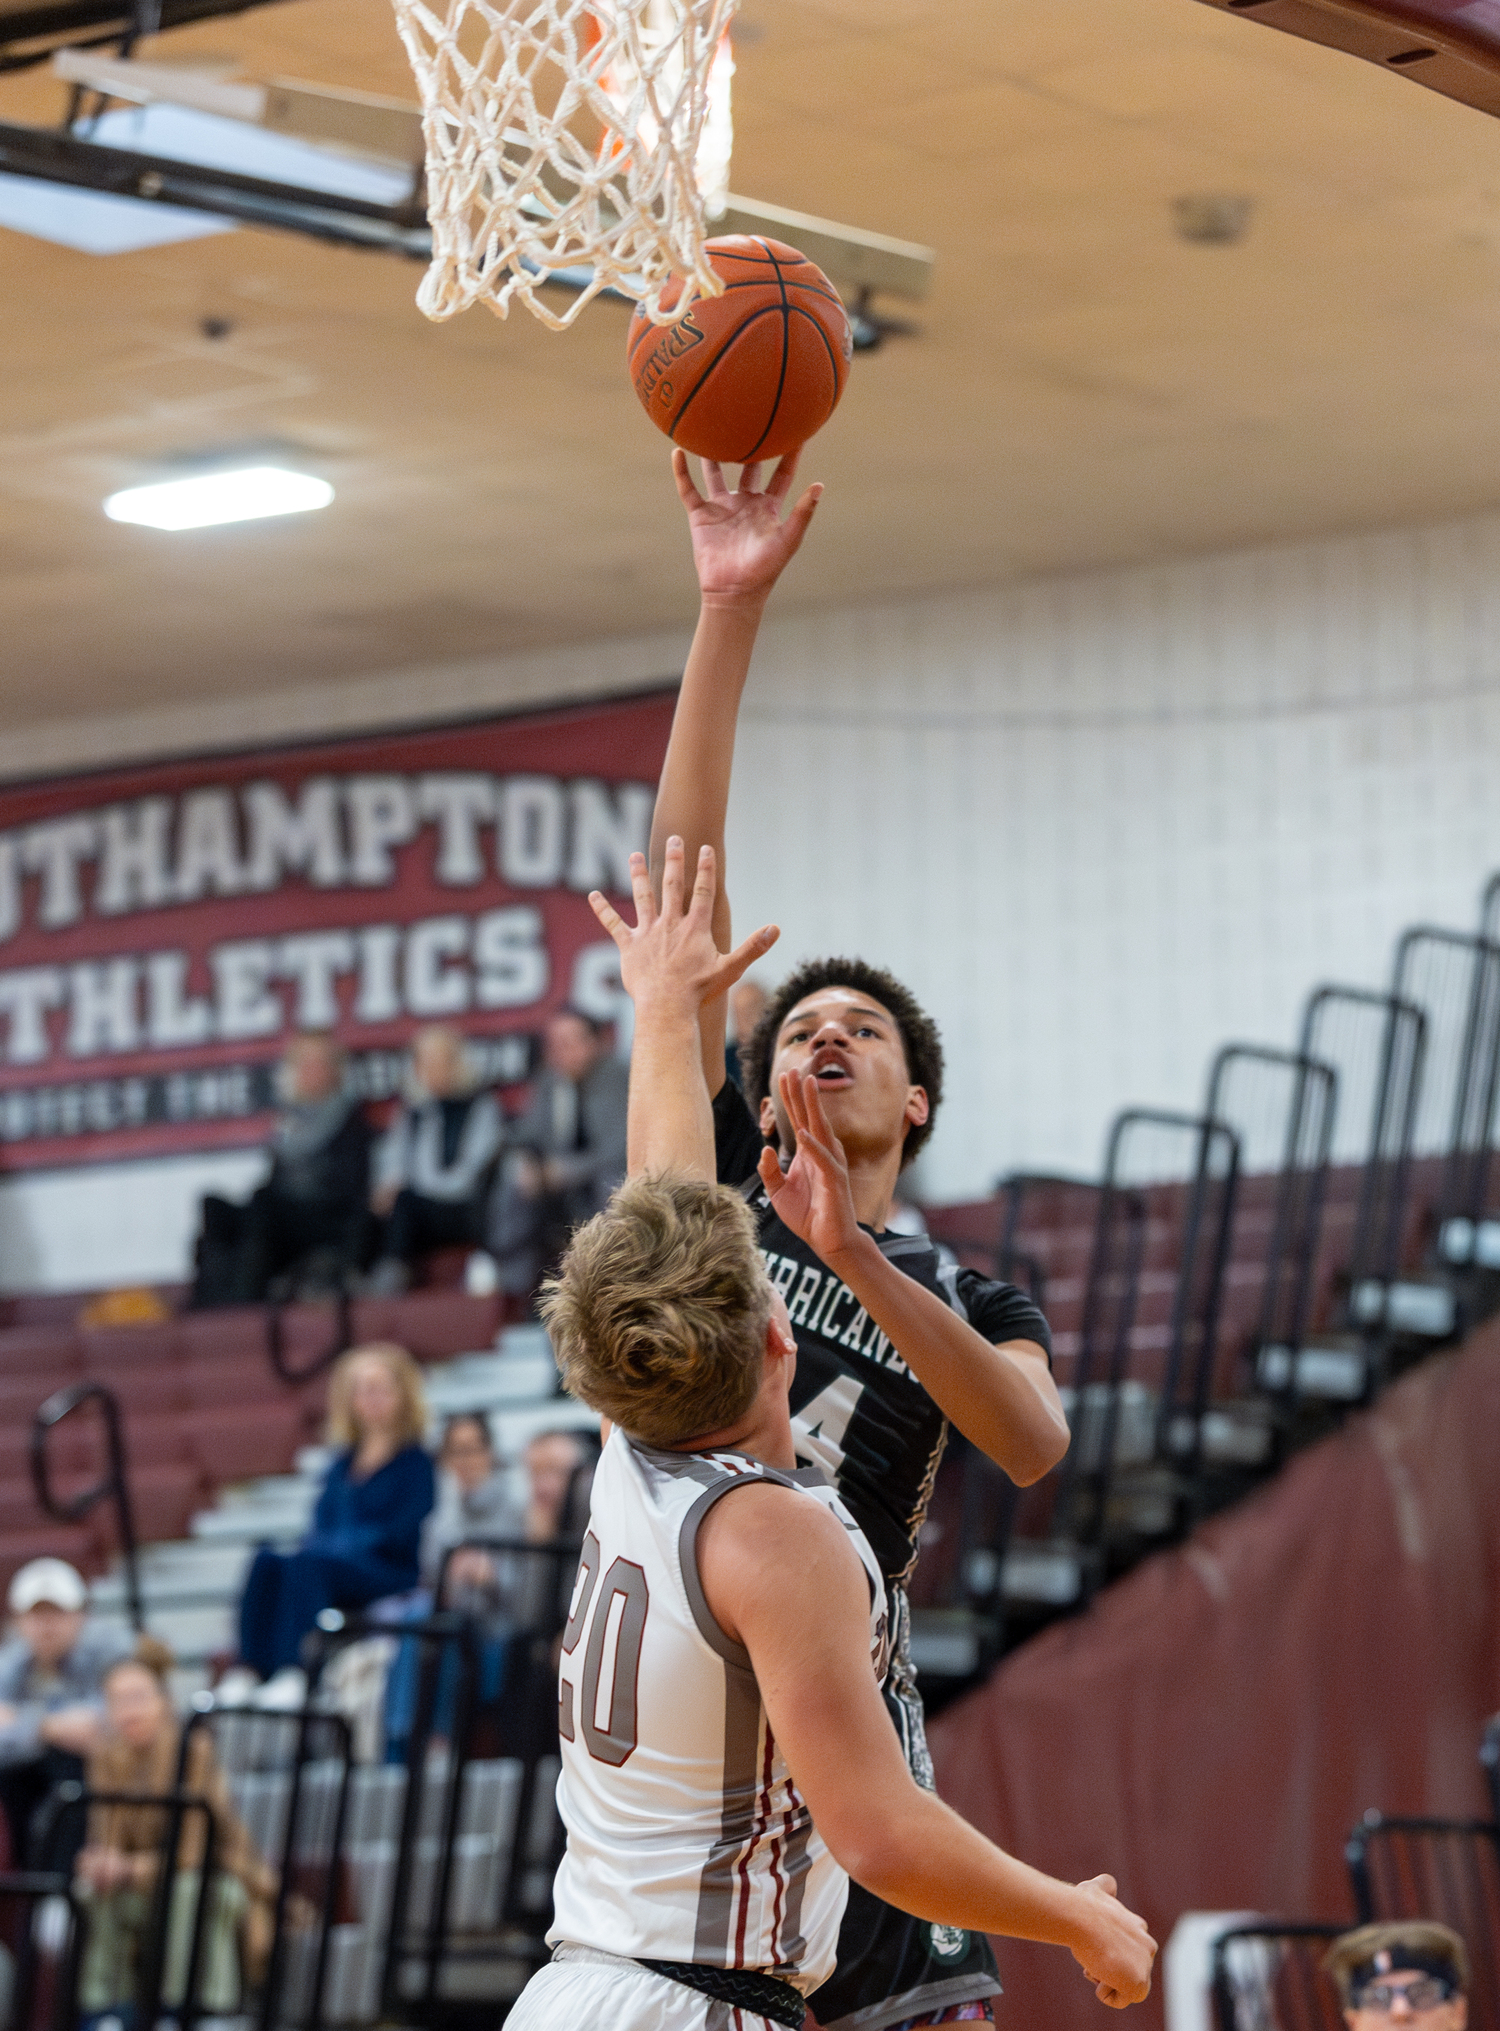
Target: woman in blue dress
{"type": "Point", "coordinates": [366, 1531]}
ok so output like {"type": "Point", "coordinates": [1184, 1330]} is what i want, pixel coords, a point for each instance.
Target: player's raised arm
{"type": "Point", "coordinates": [741, 546]}
{"type": "Point", "coordinates": [787, 1585]}
{"type": "Point", "coordinates": [671, 967]}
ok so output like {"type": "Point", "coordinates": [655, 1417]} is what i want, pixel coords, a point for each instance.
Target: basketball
{"type": "Point", "coordinates": [755, 372]}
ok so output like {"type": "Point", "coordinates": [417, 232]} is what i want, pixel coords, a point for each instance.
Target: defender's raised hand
{"type": "Point", "coordinates": [812, 1195]}
{"type": "Point", "coordinates": [669, 957]}
{"type": "Point", "coordinates": [741, 545]}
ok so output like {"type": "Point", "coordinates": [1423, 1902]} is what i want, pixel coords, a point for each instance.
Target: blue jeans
{"type": "Point", "coordinates": [285, 1592]}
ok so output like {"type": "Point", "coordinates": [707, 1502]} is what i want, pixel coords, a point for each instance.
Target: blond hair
{"type": "Point", "coordinates": [403, 1371]}
{"type": "Point", "coordinates": [658, 1316]}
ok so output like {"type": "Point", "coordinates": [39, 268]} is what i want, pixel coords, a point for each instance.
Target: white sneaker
{"type": "Point", "coordinates": [286, 1693]}
{"type": "Point", "coordinates": [481, 1275]}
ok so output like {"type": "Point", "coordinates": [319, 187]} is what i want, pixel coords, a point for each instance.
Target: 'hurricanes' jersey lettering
{"type": "Point", "coordinates": [857, 1409]}
{"type": "Point", "coordinates": [687, 1839]}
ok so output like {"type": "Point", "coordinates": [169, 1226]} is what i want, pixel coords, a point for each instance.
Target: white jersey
{"type": "Point", "coordinates": [687, 1840]}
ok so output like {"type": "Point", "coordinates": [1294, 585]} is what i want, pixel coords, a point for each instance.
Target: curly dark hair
{"type": "Point", "coordinates": [919, 1033]}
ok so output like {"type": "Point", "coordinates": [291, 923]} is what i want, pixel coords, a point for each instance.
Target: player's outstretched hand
{"type": "Point", "coordinates": [812, 1196]}
{"type": "Point", "coordinates": [741, 545]}
{"type": "Point", "coordinates": [1117, 1953]}
{"type": "Point", "coordinates": [670, 955]}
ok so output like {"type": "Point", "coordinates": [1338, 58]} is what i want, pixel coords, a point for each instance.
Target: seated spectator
{"type": "Point", "coordinates": [748, 1001]}
{"type": "Point", "coordinates": [52, 1670]}
{"type": "Point", "coordinates": [474, 1500]}
{"type": "Point", "coordinates": [1408, 1971]}
{"type": "Point", "coordinates": [116, 1872]}
{"type": "Point", "coordinates": [308, 1228]}
{"type": "Point", "coordinates": [508, 1593]}
{"type": "Point", "coordinates": [566, 1152]}
{"type": "Point", "coordinates": [435, 1163]}
{"type": "Point", "coordinates": [367, 1527]}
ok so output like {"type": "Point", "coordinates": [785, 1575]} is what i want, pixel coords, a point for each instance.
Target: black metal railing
{"type": "Point", "coordinates": [1455, 979]}
{"type": "Point", "coordinates": [340, 1341]}
{"type": "Point", "coordinates": [44, 1971]}
{"type": "Point", "coordinates": [304, 1849]}
{"type": "Point", "coordinates": [1377, 1043]}
{"type": "Point", "coordinates": [1270, 1978]}
{"type": "Point", "coordinates": [1436, 1868]}
{"type": "Point", "coordinates": [113, 1486]}
{"type": "Point", "coordinates": [71, 1802]}
{"type": "Point", "coordinates": [1282, 1105]}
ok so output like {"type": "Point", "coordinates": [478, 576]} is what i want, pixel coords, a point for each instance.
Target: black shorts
{"type": "Point", "coordinates": [892, 1966]}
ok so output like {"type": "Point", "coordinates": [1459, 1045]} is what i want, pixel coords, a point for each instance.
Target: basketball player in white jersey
{"type": "Point", "coordinates": [726, 1753]}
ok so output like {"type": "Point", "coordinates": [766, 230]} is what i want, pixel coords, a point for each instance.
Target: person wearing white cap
{"type": "Point", "coordinates": [51, 1688]}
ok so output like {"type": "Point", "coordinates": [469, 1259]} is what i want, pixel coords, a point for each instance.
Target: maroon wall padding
{"type": "Point", "coordinates": [1211, 1730]}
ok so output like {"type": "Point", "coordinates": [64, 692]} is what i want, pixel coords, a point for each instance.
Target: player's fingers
{"type": "Point", "coordinates": [610, 918]}
{"type": "Point", "coordinates": [672, 878]}
{"type": "Point", "coordinates": [799, 521]}
{"type": "Point", "coordinates": [705, 884]}
{"type": "Point", "coordinates": [779, 484]}
{"type": "Point", "coordinates": [730, 968]}
{"type": "Point", "coordinates": [750, 478]}
{"type": "Point", "coordinates": [687, 493]}
{"type": "Point", "coordinates": [714, 483]}
{"type": "Point", "coordinates": [641, 889]}
{"type": "Point", "coordinates": [791, 1100]}
{"type": "Point", "coordinates": [771, 1174]}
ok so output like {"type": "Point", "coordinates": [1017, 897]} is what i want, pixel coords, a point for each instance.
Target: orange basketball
{"type": "Point", "coordinates": [754, 372]}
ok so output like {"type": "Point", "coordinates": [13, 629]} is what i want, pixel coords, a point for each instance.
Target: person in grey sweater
{"type": "Point", "coordinates": [52, 1670]}
{"type": "Point", "coordinates": [565, 1154]}
{"type": "Point", "coordinates": [434, 1164]}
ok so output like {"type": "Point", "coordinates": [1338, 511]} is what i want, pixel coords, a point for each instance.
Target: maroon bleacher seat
{"type": "Point", "coordinates": [237, 1441]}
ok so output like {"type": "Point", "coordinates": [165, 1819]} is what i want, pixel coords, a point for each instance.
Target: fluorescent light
{"type": "Point", "coordinates": [246, 495]}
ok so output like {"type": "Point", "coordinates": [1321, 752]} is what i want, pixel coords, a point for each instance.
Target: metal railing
{"type": "Point", "coordinates": [1269, 1978]}
{"type": "Point", "coordinates": [340, 1343]}
{"type": "Point", "coordinates": [1378, 1043]}
{"type": "Point", "coordinates": [307, 1855]}
{"type": "Point", "coordinates": [40, 1964]}
{"type": "Point", "coordinates": [72, 1801]}
{"type": "Point", "coordinates": [113, 1486]}
{"type": "Point", "coordinates": [1436, 1868]}
{"type": "Point", "coordinates": [1282, 1105]}
{"type": "Point", "coordinates": [1455, 979]}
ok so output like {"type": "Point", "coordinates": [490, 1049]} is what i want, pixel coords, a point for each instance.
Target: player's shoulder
{"type": "Point", "coordinates": [770, 1548]}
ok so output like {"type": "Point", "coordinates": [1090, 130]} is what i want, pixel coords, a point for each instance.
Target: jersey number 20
{"type": "Point", "coordinates": [614, 1615]}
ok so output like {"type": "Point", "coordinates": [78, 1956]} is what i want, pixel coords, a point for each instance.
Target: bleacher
{"type": "Point", "coordinates": [1232, 1286]}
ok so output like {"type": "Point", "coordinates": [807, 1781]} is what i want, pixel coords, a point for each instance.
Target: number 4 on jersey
{"type": "Point", "coordinates": [821, 1423]}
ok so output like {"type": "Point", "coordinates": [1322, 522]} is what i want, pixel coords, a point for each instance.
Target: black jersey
{"type": "Point", "coordinates": [857, 1409]}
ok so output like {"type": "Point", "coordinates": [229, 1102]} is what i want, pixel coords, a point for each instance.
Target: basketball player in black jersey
{"type": "Point", "coordinates": [891, 1345]}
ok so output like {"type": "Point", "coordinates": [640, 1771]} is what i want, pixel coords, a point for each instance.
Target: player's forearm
{"type": "Point", "coordinates": [670, 1124]}
{"type": "Point", "coordinates": [693, 796]}
{"type": "Point", "coordinates": [1006, 1404]}
{"type": "Point", "coordinates": [923, 1858]}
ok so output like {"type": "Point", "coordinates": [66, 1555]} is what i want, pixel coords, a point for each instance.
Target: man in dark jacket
{"type": "Point", "coordinates": [566, 1152]}
{"type": "Point", "coordinates": [308, 1227]}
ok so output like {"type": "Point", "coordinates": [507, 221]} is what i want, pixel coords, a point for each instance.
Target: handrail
{"type": "Point", "coordinates": [175, 1805]}
{"type": "Point", "coordinates": [305, 1720]}
{"type": "Point", "coordinates": [343, 1339]}
{"type": "Point", "coordinates": [115, 1484]}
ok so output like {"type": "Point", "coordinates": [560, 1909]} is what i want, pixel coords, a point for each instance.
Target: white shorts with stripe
{"type": "Point", "coordinates": [579, 1996]}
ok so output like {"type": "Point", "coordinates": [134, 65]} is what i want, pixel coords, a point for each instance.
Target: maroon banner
{"type": "Point", "coordinates": [164, 929]}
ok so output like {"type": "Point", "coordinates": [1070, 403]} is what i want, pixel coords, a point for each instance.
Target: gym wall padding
{"type": "Point", "coordinates": [1211, 1730]}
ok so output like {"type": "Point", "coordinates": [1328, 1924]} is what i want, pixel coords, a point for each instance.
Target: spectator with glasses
{"type": "Point", "coordinates": [1410, 1970]}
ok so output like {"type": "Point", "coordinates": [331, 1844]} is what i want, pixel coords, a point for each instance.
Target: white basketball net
{"type": "Point", "coordinates": [564, 136]}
